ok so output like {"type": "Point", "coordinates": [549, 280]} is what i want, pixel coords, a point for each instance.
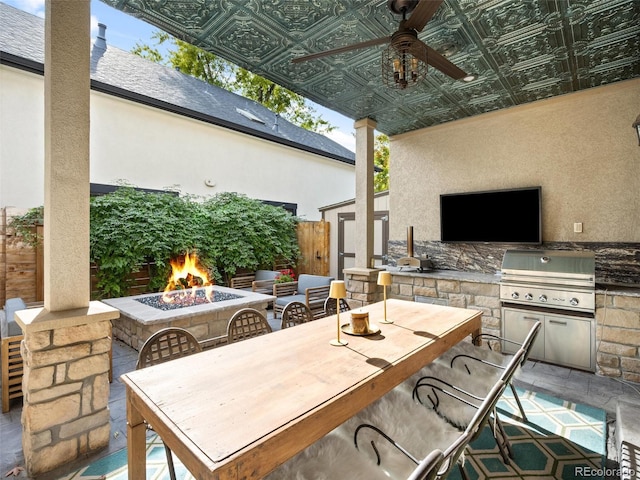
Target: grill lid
{"type": "Point", "coordinates": [546, 266]}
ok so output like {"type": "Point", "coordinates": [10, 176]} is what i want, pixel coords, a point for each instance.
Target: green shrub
{"type": "Point", "coordinates": [227, 231]}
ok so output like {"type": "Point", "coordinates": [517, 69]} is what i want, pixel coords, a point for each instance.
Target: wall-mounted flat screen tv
{"type": "Point", "coordinates": [500, 216]}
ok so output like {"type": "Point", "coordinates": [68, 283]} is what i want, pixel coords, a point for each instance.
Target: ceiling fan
{"type": "Point", "coordinates": [405, 42]}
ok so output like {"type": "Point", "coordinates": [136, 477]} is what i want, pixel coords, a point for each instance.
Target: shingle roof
{"type": "Point", "coordinates": [124, 74]}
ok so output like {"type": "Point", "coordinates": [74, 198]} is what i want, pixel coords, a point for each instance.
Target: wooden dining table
{"type": "Point", "coordinates": [239, 411]}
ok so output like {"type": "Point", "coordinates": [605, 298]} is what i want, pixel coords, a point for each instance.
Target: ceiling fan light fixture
{"type": "Point", "coordinates": [469, 78]}
{"type": "Point", "coordinates": [404, 64]}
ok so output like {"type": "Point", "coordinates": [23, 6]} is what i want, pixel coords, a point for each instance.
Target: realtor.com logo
{"type": "Point", "coordinates": [624, 472]}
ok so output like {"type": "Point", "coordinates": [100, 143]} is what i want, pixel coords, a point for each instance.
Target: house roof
{"type": "Point", "coordinates": [130, 76]}
{"type": "Point", "coordinates": [521, 51]}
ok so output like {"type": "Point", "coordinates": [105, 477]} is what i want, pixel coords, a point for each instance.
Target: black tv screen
{"type": "Point", "coordinates": [500, 216]}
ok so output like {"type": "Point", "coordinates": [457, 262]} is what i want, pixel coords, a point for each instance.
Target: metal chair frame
{"type": "Point", "coordinates": [247, 323]}
{"type": "Point", "coordinates": [330, 306]}
{"type": "Point", "coordinates": [295, 313]}
{"type": "Point", "coordinates": [451, 455]}
{"type": "Point", "coordinates": [472, 400]}
{"type": "Point", "coordinates": [165, 345]}
{"type": "Point", "coordinates": [526, 345]}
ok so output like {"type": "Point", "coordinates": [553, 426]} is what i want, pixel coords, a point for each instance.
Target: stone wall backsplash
{"type": "Point", "coordinates": [617, 263]}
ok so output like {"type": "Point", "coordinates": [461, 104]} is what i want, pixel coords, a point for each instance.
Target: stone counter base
{"type": "Point", "coordinates": [617, 314]}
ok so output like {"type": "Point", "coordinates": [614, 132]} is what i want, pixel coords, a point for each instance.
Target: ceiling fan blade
{"type": "Point", "coordinates": [348, 48]}
{"type": "Point", "coordinates": [422, 14]}
{"type": "Point", "coordinates": [441, 63]}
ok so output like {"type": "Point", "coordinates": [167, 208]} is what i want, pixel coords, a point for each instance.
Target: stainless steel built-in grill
{"type": "Point", "coordinates": [548, 278]}
{"type": "Point", "coordinates": [556, 288]}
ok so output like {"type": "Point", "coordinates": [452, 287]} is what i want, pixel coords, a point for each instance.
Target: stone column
{"type": "Point", "coordinates": [67, 343]}
{"type": "Point", "coordinates": [361, 281]}
{"type": "Point", "coordinates": [66, 186]}
{"type": "Point", "coordinates": [65, 384]}
{"type": "Point", "coordinates": [364, 192]}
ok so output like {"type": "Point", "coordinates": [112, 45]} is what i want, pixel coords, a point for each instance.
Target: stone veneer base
{"type": "Point", "coordinates": [66, 357]}
{"type": "Point", "coordinates": [617, 312]}
{"type": "Point", "coordinates": [138, 321]}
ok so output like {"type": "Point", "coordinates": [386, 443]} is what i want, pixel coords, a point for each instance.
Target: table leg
{"type": "Point", "coordinates": [475, 334]}
{"type": "Point", "coordinates": [136, 442]}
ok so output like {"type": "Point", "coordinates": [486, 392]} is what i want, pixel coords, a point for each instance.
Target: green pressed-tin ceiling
{"type": "Point", "coordinates": [520, 50]}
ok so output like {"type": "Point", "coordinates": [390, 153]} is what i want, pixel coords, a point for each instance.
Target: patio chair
{"type": "Point", "coordinates": [456, 396]}
{"type": "Point", "coordinates": [476, 360]}
{"type": "Point", "coordinates": [330, 306]}
{"type": "Point", "coordinates": [11, 364]}
{"type": "Point", "coordinates": [313, 290]}
{"type": "Point", "coordinates": [406, 429]}
{"type": "Point", "coordinates": [331, 457]}
{"type": "Point", "coordinates": [294, 314]}
{"type": "Point", "coordinates": [246, 323]}
{"type": "Point", "coordinates": [165, 345]}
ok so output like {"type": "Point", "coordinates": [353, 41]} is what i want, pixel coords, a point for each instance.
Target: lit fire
{"type": "Point", "coordinates": [186, 278]}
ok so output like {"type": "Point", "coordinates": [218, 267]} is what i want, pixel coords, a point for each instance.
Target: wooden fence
{"type": "Point", "coordinates": [21, 266]}
{"type": "Point", "coordinates": [313, 240]}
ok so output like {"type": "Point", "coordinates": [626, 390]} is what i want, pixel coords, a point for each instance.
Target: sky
{"type": "Point", "coordinates": [125, 31]}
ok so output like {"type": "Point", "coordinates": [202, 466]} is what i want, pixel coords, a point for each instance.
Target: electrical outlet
{"type": "Point", "coordinates": [577, 227]}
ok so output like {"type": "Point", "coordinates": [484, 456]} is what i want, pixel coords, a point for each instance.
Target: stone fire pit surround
{"type": "Point", "coordinates": [138, 321]}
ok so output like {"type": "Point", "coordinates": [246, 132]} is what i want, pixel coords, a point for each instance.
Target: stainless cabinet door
{"type": "Point", "coordinates": [568, 341]}
{"type": "Point", "coordinates": [516, 325]}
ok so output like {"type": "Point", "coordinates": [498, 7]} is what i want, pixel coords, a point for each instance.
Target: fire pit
{"type": "Point", "coordinates": [199, 297]}
{"type": "Point", "coordinates": [190, 301]}
{"type": "Point", "coordinates": [139, 319]}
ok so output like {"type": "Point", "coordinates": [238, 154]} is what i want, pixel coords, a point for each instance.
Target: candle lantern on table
{"type": "Point", "coordinates": [384, 279]}
{"type": "Point", "coordinates": [338, 291]}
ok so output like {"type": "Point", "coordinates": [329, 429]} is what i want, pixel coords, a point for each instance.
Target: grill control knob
{"type": "Point", "coordinates": [528, 296]}
{"type": "Point", "coordinates": [574, 301]}
{"type": "Point", "coordinates": [515, 295]}
{"type": "Point", "coordinates": [543, 298]}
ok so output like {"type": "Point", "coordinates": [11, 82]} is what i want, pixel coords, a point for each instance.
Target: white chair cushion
{"type": "Point", "coordinates": [417, 429]}
{"type": "Point", "coordinates": [330, 458]}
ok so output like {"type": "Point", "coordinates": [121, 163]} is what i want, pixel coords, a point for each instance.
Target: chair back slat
{"type": "Point", "coordinates": [247, 323]}
{"type": "Point", "coordinates": [167, 344]}
{"type": "Point", "coordinates": [295, 313]}
{"type": "Point", "coordinates": [330, 306]}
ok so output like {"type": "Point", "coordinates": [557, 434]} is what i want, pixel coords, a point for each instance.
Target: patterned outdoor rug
{"type": "Point", "coordinates": [562, 440]}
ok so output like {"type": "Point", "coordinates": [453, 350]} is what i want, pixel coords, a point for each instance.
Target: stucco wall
{"type": "Point", "coordinates": [150, 148]}
{"type": "Point", "coordinates": [579, 147]}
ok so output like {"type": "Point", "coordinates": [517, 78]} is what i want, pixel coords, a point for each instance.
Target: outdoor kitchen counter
{"type": "Point", "coordinates": [476, 277]}
{"type": "Point", "coordinates": [631, 290]}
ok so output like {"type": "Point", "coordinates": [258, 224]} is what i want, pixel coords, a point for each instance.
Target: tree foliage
{"type": "Point", "coordinates": [381, 161]}
{"type": "Point", "coordinates": [212, 69]}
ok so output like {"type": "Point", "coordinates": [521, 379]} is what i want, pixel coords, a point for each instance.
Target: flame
{"type": "Point", "coordinates": [186, 277]}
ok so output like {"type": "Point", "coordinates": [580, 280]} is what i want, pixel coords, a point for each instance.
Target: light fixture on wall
{"type": "Point", "coordinates": [636, 126]}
